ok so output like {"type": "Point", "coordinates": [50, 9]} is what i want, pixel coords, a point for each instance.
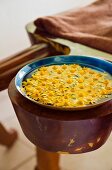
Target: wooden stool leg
{"type": "Point", "coordinates": [47, 160]}
{"type": "Point", "coordinates": [7, 137]}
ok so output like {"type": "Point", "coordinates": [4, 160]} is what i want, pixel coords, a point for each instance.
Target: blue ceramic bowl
{"type": "Point", "coordinates": [91, 62]}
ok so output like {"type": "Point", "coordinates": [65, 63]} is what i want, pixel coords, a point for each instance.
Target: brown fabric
{"type": "Point", "coordinates": [91, 25]}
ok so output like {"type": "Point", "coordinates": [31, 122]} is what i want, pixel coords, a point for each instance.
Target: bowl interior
{"type": "Point", "coordinates": [91, 62]}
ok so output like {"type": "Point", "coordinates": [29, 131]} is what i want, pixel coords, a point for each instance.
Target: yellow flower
{"type": "Point", "coordinates": [69, 81]}
{"type": "Point", "coordinates": [64, 66]}
{"type": "Point", "coordinates": [80, 80]}
{"type": "Point", "coordinates": [59, 71]}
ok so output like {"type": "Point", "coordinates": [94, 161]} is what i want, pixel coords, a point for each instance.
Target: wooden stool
{"type": "Point", "coordinates": [59, 131]}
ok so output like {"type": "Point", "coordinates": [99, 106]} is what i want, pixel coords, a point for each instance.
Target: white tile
{"type": "Point", "coordinates": [14, 123]}
{"type": "Point", "coordinates": [13, 157]}
{"type": "Point", "coordinates": [100, 159]}
{"type": "Point", "coordinates": [6, 109]}
{"type": "Point", "coordinates": [30, 165]}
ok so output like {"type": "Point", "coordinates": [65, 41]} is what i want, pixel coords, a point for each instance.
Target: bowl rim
{"type": "Point", "coordinates": [55, 107]}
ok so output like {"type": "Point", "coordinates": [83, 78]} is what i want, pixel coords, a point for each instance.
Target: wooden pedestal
{"type": "Point", "coordinates": [61, 131]}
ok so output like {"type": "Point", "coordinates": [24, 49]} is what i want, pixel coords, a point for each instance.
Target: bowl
{"type": "Point", "coordinates": [91, 62]}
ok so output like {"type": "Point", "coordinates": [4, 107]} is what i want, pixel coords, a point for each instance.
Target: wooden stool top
{"type": "Point", "coordinates": [62, 131]}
